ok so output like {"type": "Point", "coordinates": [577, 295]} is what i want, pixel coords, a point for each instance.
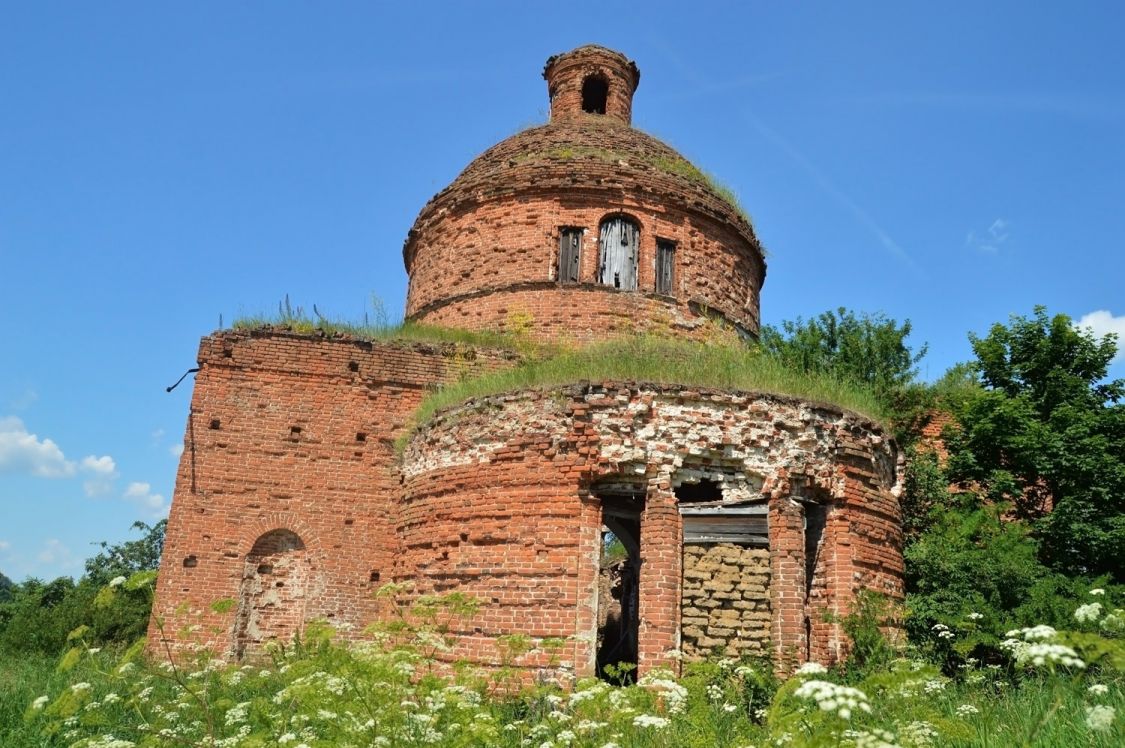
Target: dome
{"type": "Point", "coordinates": [585, 227]}
{"type": "Point", "coordinates": [588, 154]}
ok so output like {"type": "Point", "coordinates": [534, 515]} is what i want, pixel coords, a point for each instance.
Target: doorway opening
{"type": "Point", "coordinates": [619, 585]}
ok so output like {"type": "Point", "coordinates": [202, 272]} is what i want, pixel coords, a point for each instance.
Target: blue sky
{"type": "Point", "coordinates": [164, 165]}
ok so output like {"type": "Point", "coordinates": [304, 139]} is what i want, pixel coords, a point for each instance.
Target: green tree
{"type": "Point", "coordinates": [5, 588]}
{"type": "Point", "coordinates": [868, 349]}
{"type": "Point", "coordinates": [38, 615]}
{"type": "Point", "coordinates": [126, 559]}
{"type": "Point", "coordinates": [1047, 429]}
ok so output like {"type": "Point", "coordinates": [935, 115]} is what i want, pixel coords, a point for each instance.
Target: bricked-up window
{"type": "Point", "coordinates": [665, 264]}
{"type": "Point", "coordinates": [570, 254]}
{"type": "Point", "coordinates": [595, 91]}
{"type": "Point", "coordinates": [617, 261]}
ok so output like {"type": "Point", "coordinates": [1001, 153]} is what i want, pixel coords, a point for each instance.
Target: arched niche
{"type": "Point", "coordinates": [272, 594]}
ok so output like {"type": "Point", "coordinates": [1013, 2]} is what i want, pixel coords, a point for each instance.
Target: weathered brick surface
{"type": "Point", "coordinates": [495, 232]}
{"type": "Point", "coordinates": [497, 505]}
{"type": "Point", "coordinates": [566, 73]}
{"type": "Point", "coordinates": [292, 432]}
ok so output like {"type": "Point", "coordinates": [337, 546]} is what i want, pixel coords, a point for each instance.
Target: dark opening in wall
{"type": "Point", "coordinates": [361, 437]}
{"type": "Point", "coordinates": [706, 490]}
{"type": "Point", "coordinates": [595, 91]}
{"type": "Point", "coordinates": [191, 562]}
{"type": "Point", "coordinates": [215, 424]}
{"type": "Point", "coordinates": [353, 366]}
{"type": "Point", "coordinates": [374, 576]}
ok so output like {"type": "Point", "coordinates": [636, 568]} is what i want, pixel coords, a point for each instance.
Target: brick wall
{"type": "Point", "coordinates": [291, 432]}
{"type": "Point", "coordinates": [498, 505]}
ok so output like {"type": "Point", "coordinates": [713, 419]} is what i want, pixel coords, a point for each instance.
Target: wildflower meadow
{"type": "Point", "coordinates": [1047, 687]}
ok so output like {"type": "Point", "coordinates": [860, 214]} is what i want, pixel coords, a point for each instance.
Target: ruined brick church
{"type": "Point", "coordinates": [745, 517]}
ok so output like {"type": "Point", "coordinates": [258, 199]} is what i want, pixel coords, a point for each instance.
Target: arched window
{"type": "Point", "coordinates": [619, 251]}
{"type": "Point", "coordinates": [595, 91]}
{"type": "Point", "coordinates": [271, 598]}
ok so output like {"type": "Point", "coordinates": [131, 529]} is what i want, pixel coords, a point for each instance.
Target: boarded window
{"type": "Point", "coordinates": [665, 262]}
{"type": "Point", "coordinates": [570, 254]}
{"type": "Point", "coordinates": [617, 264]}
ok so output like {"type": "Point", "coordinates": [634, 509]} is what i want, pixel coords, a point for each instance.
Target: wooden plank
{"type": "Point", "coordinates": [725, 511]}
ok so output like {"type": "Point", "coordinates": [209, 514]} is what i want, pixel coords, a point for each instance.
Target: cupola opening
{"type": "Point", "coordinates": [595, 91]}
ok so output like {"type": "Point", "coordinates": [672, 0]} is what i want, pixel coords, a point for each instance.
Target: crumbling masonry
{"type": "Point", "coordinates": [740, 519]}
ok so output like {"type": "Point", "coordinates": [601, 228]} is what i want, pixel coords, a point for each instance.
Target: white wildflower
{"type": "Point", "coordinates": [40, 702]}
{"type": "Point", "coordinates": [918, 733]}
{"type": "Point", "coordinates": [834, 698]}
{"type": "Point", "coordinates": [811, 668]}
{"type": "Point", "coordinates": [237, 713]}
{"type": "Point", "coordinates": [1098, 689]}
{"type": "Point", "coordinates": [648, 720]}
{"type": "Point", "coordinates": [967, 710]}
{"type": "Point", "coordinates": [1100, 718]}
{"type": "Point", "coordinates": [117, 581]}
{"type": "Point", "coordinates": [975, 616]}
{"type": "Point", "coordinates": [1038, 655]}
{"type": "Point", "coordinates": [1035, 633]}
{"type": "Point", "coordinates": [1098, 591]}
{"type": "Point", "coordinates": [80, 687]}
{"type": "Point", "coordinates": [1088, 612]}
{"type": "Point", "coordinates": [729, 708]}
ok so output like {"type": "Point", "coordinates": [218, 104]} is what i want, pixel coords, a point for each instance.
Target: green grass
{"type": "Point", "coordinates": [660, 361]}
{"type": "Point", "coordinates": [24, 678]}
{"type": "Point", "coordinates": [405, 331]}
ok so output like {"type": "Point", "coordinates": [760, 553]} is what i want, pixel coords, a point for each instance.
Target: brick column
{"type": "Point", "coordinates": [661, 562]}
{"type": "Point", "coordinates": [787, 582]}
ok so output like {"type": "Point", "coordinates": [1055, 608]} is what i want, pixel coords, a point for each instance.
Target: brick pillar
{"type": "Point", "coordinates": [787, 582]}
{"type": "Point", "coordinates": [588, 565]}
{"type": "Point", "coordinates": [661, 568]}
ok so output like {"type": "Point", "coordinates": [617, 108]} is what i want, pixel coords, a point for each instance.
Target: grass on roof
{"type": "Point", "coordinates": [297, 321]}
{"type": "Point", "coordinates": [661, 361]}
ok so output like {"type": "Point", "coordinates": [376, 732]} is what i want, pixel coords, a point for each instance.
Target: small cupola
{"type": "Point", "coordinates": [591, 81]}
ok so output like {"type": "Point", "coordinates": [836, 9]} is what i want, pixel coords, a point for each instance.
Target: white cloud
{"type": "Point", "coordinates": [103, 472]}
{"type": "Point", "coordinates": [1103, 323]}
{"type": "Point", "coordinates": [103, 465]}
{"type": "Point", "coordinates": [141, 494]}
{"type": "Point", "coordinates": [24, 452]}
{"type": "Point", "coordinates": [55, 552]}
{"type": "Point", "coordinates": [990, 239]}
{"type": "Point", "coordinates": [176, 450]}
{"type": "Point", "coordinates": [4, 545]}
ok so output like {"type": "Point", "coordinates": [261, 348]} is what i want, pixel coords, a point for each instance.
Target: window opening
{"type": "Point", "coordinates": [665, 261]}
{"type": "Point", "coordinates": [619, 587]}
{"type": "Point", "coordinates": [617, 265]}
{"type": "Point", "coordinates": [570, 253]}
{"type": "Point", "coordinates": [595, 91]}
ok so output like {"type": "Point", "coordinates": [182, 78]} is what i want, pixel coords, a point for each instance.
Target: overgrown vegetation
{"type": "Point", "coordinates": [663, 361]}
{"type": "Point", "coordinates": [376, 327]}
{"type": "Point", "coordinates": [1053, 688]}
{"type": "Point", "coordinates": [36, 616]}
{"type": "Point", "coordinates": [671, 164]}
